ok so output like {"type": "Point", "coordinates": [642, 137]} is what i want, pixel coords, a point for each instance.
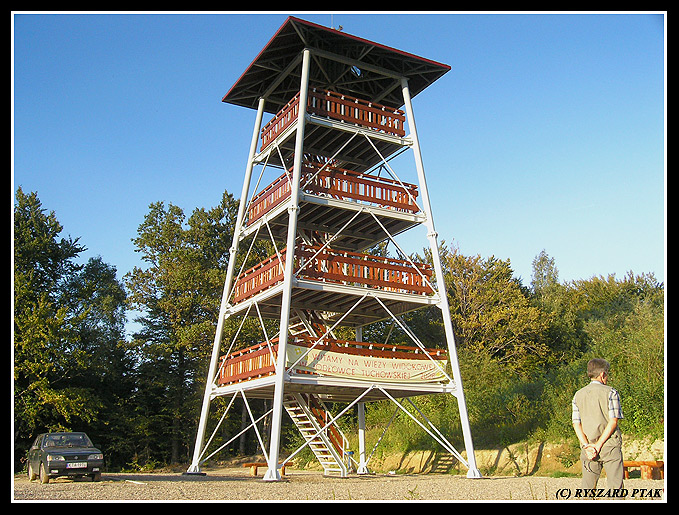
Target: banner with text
{"type": "Point", "coordinates": [365, 368]}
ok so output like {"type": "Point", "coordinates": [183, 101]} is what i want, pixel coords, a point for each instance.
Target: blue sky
{"type": "Point", "coordinates": [548, 132]}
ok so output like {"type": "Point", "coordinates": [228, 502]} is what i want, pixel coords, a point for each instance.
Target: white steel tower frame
{"type": "Point", "coordinates": [304, 60]}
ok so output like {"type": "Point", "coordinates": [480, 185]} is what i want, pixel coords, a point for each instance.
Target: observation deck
{"type": "Point", "coordinates": [337, 370]}
{"type": "Point", "coordinates": [355, 132]}
{"type": "Point", "coordinates": [334, 282]}
{"type": "Point", "coordinates": [358, 209]}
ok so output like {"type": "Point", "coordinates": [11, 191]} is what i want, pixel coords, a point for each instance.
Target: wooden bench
{"type": "Point", "coordinates": [649, 469]}
{"type": "Point", "coordinates": [255, 466]}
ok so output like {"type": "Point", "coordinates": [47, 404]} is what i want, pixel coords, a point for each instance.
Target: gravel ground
{"type": "Point", "coordinates": [236, 485]}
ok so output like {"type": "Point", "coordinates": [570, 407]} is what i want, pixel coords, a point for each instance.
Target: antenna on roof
{"type": "Point", "coordinates": [332, 23]}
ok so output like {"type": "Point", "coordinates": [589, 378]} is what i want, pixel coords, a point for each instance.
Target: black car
{"type": "Point", "coordinates": [64, 454]}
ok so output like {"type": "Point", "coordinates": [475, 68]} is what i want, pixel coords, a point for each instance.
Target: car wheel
{"type": "Point", "coordinates": [31, 474]}
{"type": "Point", "coordinates": [44, 478]}
{"type": "Point", "coordinates": [96, 476]}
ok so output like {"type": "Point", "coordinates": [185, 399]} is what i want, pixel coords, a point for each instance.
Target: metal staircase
{"type": "Point", "coordinates": [329, 444]}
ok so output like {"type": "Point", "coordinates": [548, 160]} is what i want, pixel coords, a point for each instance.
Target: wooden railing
{"type": "Point", "coordinates": [338, 183]}
{"type": "Point", "coordinates": [339, 267]}
{"type": "Point", "coordinates": [246, 364]}
{"type": "Point", "coordinates": [259, 278]}
{"type": "Point", "coordinates": [337, 107]}
{"type": "Point", "coordinates": [283, 119]}
{"type": "Point", "coordinates": [368, 349]}
{"type": "Point", "coordinates": [352, 268]}
{"type": "Point", "coordinates": [259, 360]}
{"type": "Point", "coordinates": [269, 198]}
{"type": "Point", "coordinates": [347, 184]}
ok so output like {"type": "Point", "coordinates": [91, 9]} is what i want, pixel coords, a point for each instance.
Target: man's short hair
{"type": "Point", "coordinates": [596, 366]}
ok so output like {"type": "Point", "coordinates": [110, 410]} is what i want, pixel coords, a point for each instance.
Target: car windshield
{"type": "Point", "coordinates": [68, 440]}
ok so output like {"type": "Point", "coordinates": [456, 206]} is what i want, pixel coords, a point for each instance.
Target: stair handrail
{"type": "Point", "coordinates": [333, 431]}
{"type": "Point", "coordinates": [320, 428]}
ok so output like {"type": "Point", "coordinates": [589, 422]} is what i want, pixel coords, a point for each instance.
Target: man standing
{"type": "Point", "coordinates": [596, 411]}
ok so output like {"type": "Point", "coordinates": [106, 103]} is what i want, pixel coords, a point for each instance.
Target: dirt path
{"type": "Point", "coordinates": [235, 484]}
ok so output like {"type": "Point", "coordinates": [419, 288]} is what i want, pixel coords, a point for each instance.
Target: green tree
{"type": "Point", "coordinates": [40, 255]}
{"type": "Point", "coordinates": [561, 307]}
{"type": "Point", "coordinates": [43, 329]}
{"type": "Point", "coordinates": [612, 298]}
{"type": "Point", "coordinates": [66, 321]}
{"type": "Point", "coordinates": [98, 300]}
{"type": "Point", "coordinates": [491, 312]}
{"type": "Point", "coordinates": [545, 274]}
{"type": "Point", "coordinates": [178, 294]}
{"type": "Point", "coordinates": [622, 320]}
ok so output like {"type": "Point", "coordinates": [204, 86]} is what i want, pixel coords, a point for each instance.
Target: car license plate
{"type": "Point", "coordinates": [76, 465]}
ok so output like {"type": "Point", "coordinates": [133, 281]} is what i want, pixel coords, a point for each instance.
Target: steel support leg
{"type": "Point", "coordinates": [272, 473]}
{"type": "Point", "coordinates": [194, 468]}
{"type": "Point", "coordinates": [362, 465]}
{"type": "Point", "coordinates": [473, 471]}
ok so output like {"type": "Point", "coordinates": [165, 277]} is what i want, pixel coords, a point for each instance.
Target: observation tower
{"type": "Point", "coordinates": [319, 187]}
